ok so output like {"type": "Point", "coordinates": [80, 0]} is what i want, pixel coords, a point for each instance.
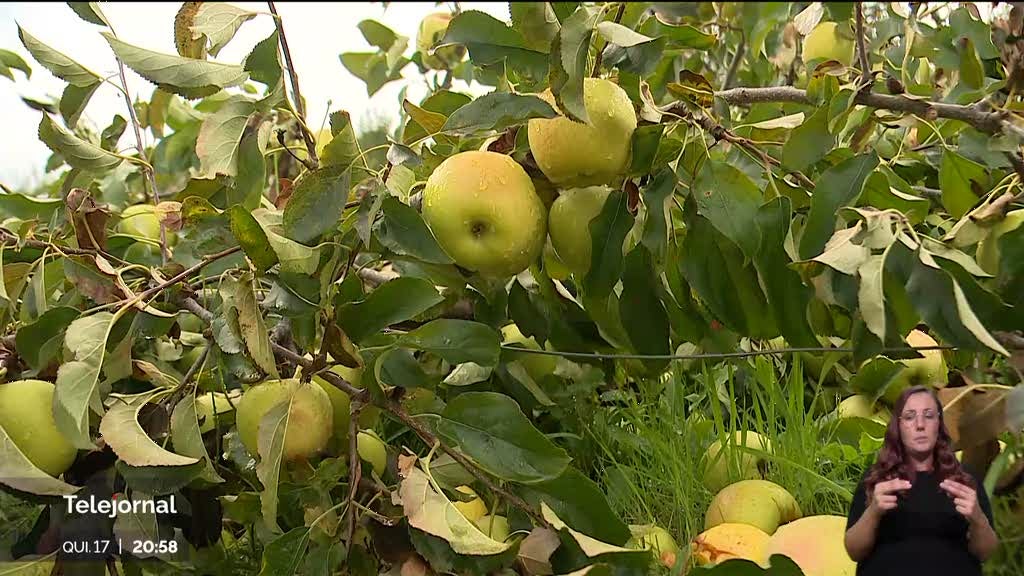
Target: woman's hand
{"type": "Point", "coordinates": [965, 499]}
{"type": "Point", "coordinates": [884, 497]}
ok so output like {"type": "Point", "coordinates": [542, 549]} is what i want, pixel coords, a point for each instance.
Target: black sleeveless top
{"type": "Point", "coordinates": [924, 534]}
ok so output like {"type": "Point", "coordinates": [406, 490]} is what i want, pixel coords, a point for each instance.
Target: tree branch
{"type": "Point", "coordinates": [355, 467]}
{"type": "Point", "coordinates": [178, 278]}
{"type": "Point", "coordinates": [862, 50]}
{"type": "Point", "coordinates": [307, 136]}
{"type": "Point", "coordinates": [976, 115]}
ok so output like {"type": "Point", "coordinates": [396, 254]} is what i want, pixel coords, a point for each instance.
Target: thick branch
{"type": "Point", "coordinates": [299, 107]}
{"type": "Point", "coordinates": [975, 115]}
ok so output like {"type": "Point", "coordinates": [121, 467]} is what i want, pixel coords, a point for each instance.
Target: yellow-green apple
{"type": "Point", "coordinates": [431, 31]}
{"type": "Point", "coordinates": [569, 225]}
{"type": "Point", "coordinates": [310, 417]}
{"type": "Point", "coordinates": [26, 415]}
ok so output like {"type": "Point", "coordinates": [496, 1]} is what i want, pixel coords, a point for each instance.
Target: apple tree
{"type": "Point", "coordinates": [336, 356]}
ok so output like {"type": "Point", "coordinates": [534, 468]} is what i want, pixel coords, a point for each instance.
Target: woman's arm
{"type": "Point", "coordinates": [860, 538]}
{"type": "Point", "coordinates": [981, 538]}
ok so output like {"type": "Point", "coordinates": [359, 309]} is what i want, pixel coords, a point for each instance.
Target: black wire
{"type": "Point", "coordinates": [704, 356]}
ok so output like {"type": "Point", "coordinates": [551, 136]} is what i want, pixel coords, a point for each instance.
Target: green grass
{"type": "Point", "coordinates": [650, 443]}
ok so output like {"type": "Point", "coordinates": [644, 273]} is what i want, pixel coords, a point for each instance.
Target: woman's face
{"type": "Point", "coordinates": [919, 425]}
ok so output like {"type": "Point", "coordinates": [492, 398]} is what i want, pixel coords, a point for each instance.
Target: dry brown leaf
{"type": "Point", "coordinates": [974, 415]}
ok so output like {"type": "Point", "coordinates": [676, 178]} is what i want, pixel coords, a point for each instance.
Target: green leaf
{"type": "Point", "coordinates": [398, 367]}
{"type": "Point", "coordinates": [252, 173]}
{"type": "Point", "coordinates": [839, 186]}
{"type": "Point", "coordinates": [714, 267]}
{"type": "Point", "coordinates": [881, 192]}
{"type": "Point", "coordinates": [18, 472]}
{"type": "Point", "coordinates": [497, 111]}
{"type": "Point", "coordinates": [871, 295]}
{"type": "Point", "coordinates": [283, 555]}
{"type": "Point", "coordinates": [219, 21]}
{"type": "Point", "coordinates": [977, 31]}
{"type": "Point", "coordinates": [76, 152]}
{"type": "Point", "coordinates": [729, 199]}
{"type": "Point", "coordinates": [644, 148]}
{"type": "Point", "coordinates": [958, 178]}
{"type": "Point", "coordinates": [607, 232]}
{"type": "Point", "coordinates": [317, 203]}
{"type": "Point", "coordinates": [787, 294]}
{"type": "Point", "coordinates": [121, 431]}
{"type": "Point", "coordinates": [629, 50]}
{"type": "Point", "coordinates": [29, 208]}
{"type": "Point", "coordinates": [394, 301]}
{"type": "Point", "coordinates": [343, 149]}
{"type": "Point", "coordinates": [78, 381]}
{"type": "Point", "coordinates": [873, 377]}
{"type": "Point", "coordinates": [403, 231]}
{"type": "Point", "coordinates": [241, 295]}
{"type": "Point", "coordinates": [270, 446]}
{"type": "Point", "coordinates": [643, 314]}
{"type": "Point", "coordinates": [684, 36]}
{"type": "Point", "coordinates": [590, 546]}
{"type": "Point", "coordinates": [942, 304]}
{"type": "Point", "coordinates": [219, 138]}
{"type": "Point", "coordinates": [74, 100]}
{"type": "Point", "coordinates": [372, 68]}
{"type": "Point", "coordinates": [187, 77]}
{"type": "Point", "coordinates": [456, 341]}
{"type": "Point", "coordinates": [10, 60]}
{"type": "Point", "coordinates": [656, 197]}
{"type": "Point", "coordinates": [569, 62]}
{"type": "Point", "coordinates": [39, 342]}
{"type": "Point", "coordinates": [187, 436]}
{"type": "Point", "coordinates": [492, 430]}
{"type": "Point", "coordinates": [428, 510]}
{"type": "Point", "coordinates": [90, 12]}
{"type": "Point", "coordinates": [491, 41]}
{"type": "Point", "coordinates": [809, 142]}
{"type": "Point", "coordinates": [294, 257]}
{"type": "Point", "coordinates": [579, 500]}
{"type": "Point", "coordinates": [441, 104]}
{"type": "Point", "coordinates": [60, 65]}
{"type": "Point", "coordinates": [262, 63]}
{"type": "Point", "coordinates": [537, 23]}
{"type": "Point", "coordinates": [252, 238]}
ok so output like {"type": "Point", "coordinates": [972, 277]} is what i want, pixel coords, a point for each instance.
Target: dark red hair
{"type": "Point", "coordinates": [892, 461]}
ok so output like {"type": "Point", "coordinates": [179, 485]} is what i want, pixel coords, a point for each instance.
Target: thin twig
{"type": "Point", "coordinates": [1017, 162]}
{"type": "Point", "coordinates": [146, 167]}
{"type": "Point", "coordinates": [207, 260]}
{"type": "Point", "coordinates": [734, 66]}
{"type": "Point", "coordinates": [600, 53]}
{"type": "Point", "coordinates": [299, 107]}
{"type": "Point", "coordinates": [862, 50]}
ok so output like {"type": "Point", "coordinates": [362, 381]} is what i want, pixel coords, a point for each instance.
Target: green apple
{"type": "Point", "coordinates": [341, 404]}
{"type": "Point", "coordinates": [310, 417]}
{"type": "Point", "coordinates": [495, 527]}
{"type": "Point", "coordinates": [553, 265]}
{"type": "Point", "coordinates": [719, 464]}
{"type": "Point", "coordinates": [26, 415]}
{"type": "Point", "coordinates": [189, 322]}
{"type": "Point", "coordinates": [142, 221]}
{"type": "Point", "coordinates": [655, 538]}
{"type": "Point", "coordinates": [988, 248]}
{"type": "Point", "coordinates": [930, 370]}
{"type": "Point", "coordinates": [825, 42]}
{"type": "Point", "coordinates": [475, 508]}
{"type": "Point", "coordinates": [207, 403]}
{"type": "Point", "coordinates": [536, 365]}
{"type": "Point", "coordinates": [569, 225]}
{"type": "Point", "coordinates": [373, 450]}
{"type": "Point", "coordinates": [485, 213]}
{"type": "Point", "coordinates": [431, 31]}
{"type": "Point", "coordinates": [575, 154]}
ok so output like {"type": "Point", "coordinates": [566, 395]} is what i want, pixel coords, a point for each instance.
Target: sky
{"type": "Point", "coordinates": [317, 33]}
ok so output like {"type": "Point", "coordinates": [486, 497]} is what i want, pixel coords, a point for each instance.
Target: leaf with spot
{"type": "Point", "coordinates": [219, 22]}
{"type": "Point", "coordinates": [456, 341]}
{"type": "Point", "coordinates": [219, 138]}
{"type": "Point", "coordinates": [729, 199]}
{"type": "Point", "coordinates": [317, 203]}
